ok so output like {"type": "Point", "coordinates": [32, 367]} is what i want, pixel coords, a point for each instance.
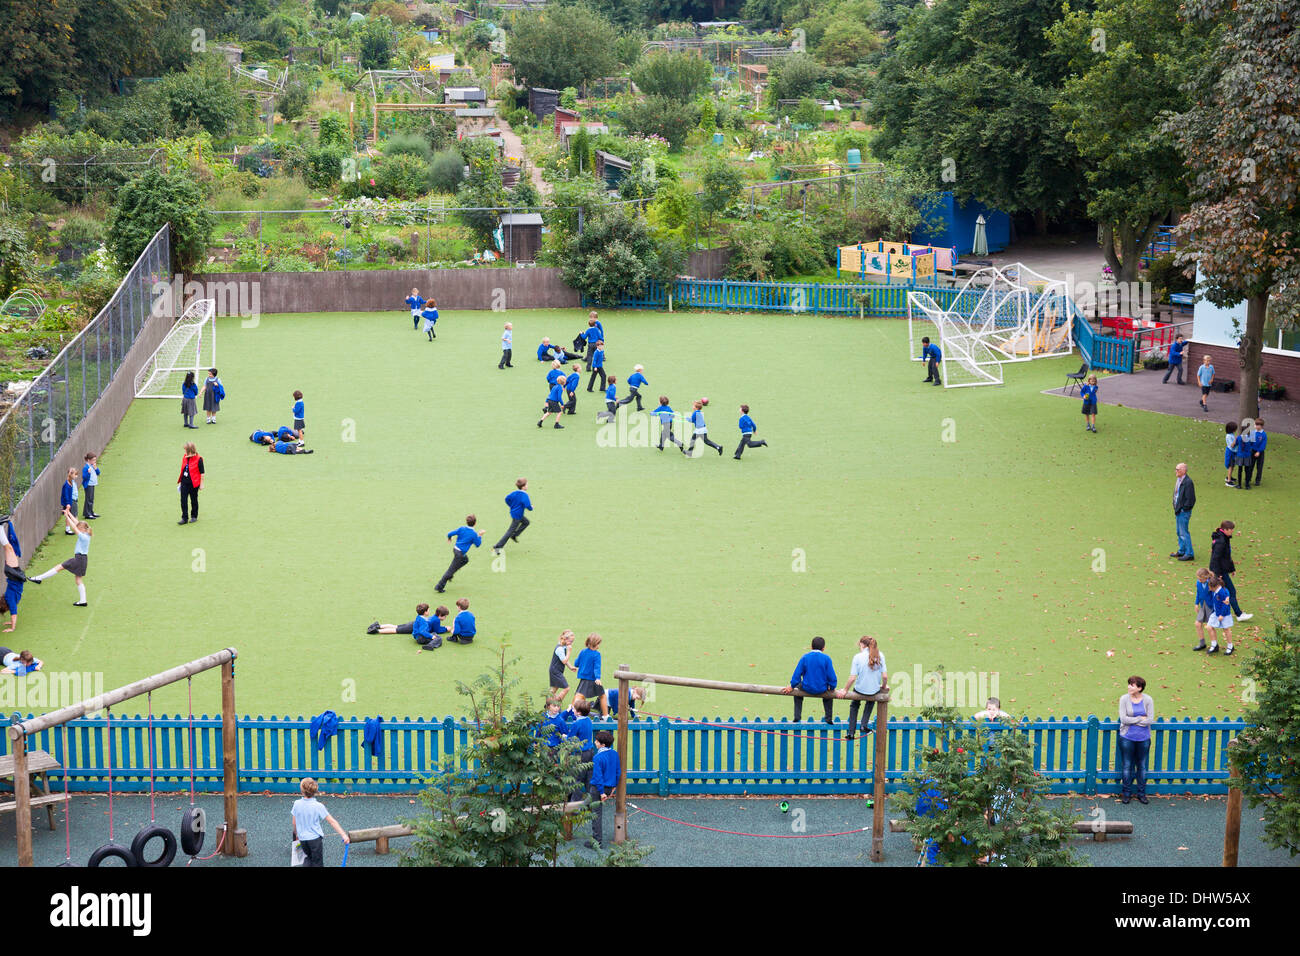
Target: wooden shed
{"type": "Point", "coordinates": [611, 168]}
{"type": "Point", "coordinates": [542, 102]}
{"type": "Point", "coordinates": [521, 236]}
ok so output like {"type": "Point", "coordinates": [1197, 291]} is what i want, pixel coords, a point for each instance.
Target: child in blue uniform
{"type": "Point", "coordinates": [571, 389]}
{"type": "Point", "coordinates": [507, 346]}
{"type": "Point", "coordinates": [931, 356]}
{"type": "Point", "coordinates": [299, 416]}
{"type": "Point", "coordinates": [1175, 360]}
{"type": "Point", "coordinates": [416, 302]}
{"type": "Point", "coordinates": [747, 429]}
{"type": "Point", "coordinates": [518, 502]}
{"type": "Point", "coordinates": [463, 628]}
{"type": "Point", "coordinates": [1089, 394]}
{"type": "Point", "coordinates": [597, 365]}
{"type": "Point", "coordinates": [554, 403]}
{"type": "Point", "coordinates": [814, 674]}
{"type": "Point", "coordinates": [701, 430]}
{"type": "Point", "coordinates": [595, 332]}
{"type": "Point", "coordinates": [611, 402]}
{"type": "Point", "coordinates": [1220, 616]}
{"type": "Point", "coordinates": [430, 316]}
{"type": "Point", "coordinates": [465, 538]}
{"type": "Point", "coordinates": [68, 496]}
{"type": "Point", "coordinates": [1204, 606]}
{"type": "Point", "coordinates": [89, 482]}
{"type": "Point", "coordinates": [1205, 375]}
{"type": "Point", "coordinates": [1261, 442]}
{"type": "Point", "coordinates": [1229, 452]}
{"type": "Point", "coordinates": [587, 664]}
{"type": "Point", "coordinates": [634, 383]}
{"type": "Point", "coordinates": [289, 448]}
{"type": "Point", "coordinates": [1245, 452]}
{"type": "Point", "coordinates": [284, 433]}
{"type": "Point", "coordinates": [420, 626]}
{"type": "Point", "coordinates": [189, 400]}
{"type": "Point", "coordinates": [605, 773]}
{"type": "Point", "coordinates": [665, 414]}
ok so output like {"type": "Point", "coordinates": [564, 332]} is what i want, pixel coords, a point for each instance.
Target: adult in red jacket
{"type": "Point", "coordinates": [190, 481]}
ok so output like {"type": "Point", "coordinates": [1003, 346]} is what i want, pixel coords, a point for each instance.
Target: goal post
{"type": "Point", "coordinates": [190, 346]}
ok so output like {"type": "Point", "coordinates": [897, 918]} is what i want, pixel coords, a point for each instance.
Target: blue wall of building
{"type": "Point", "coordinates": [957, 226]}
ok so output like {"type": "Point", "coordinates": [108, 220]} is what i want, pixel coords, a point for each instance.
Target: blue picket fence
{"type": "Point", "coordinates": [1101, 351]}
{"type": "Point", "coordinates": [877, 301]}
{"type": "Point", "coordinates": [665, 756]}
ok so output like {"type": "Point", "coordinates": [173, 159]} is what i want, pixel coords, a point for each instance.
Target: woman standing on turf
{"type": "Point", "coordinates": [77, 563]}
{"type": "Point", "coordinates": [190, 481]}
{"type": "Point", "coordinates": [1137, 711]}
{"type": "Point", "coordinates": [189, 407]}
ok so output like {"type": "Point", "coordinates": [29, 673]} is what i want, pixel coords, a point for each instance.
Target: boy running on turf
{"type": "Point", "coordinates": [634, 383]}
{"type": "Point", "coordinates": [665, 414]}
{"type": "Point", "coordinates": [466, 538]}
{"type": "Point", "coordinates": [597, 365]}
{"type": "Point", "coordinates": [747, 430]}
{"type": "Point", "coordinates": [518, 502]}
{"type": "Point", "coordinates": [611, 403]}
{"type": "Point", "coordinates": [571, 389]}
{"type": "Point", "coordinates": [430, 316]}
{"type": "Point", "coordinates": [701, 429]}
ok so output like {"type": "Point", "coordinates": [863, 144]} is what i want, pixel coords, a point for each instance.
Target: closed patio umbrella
{"type": "Point", "coordinates": [980, 245]}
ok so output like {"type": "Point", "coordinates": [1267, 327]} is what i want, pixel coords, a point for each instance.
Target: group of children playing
{"type": "Point", "coordinates": [285, 440]}
{"type": "Point", "coordinates": [213, 395]}
{"type": "Point", "coordinates": [426, 309]}
{"type": "Point", "coordinates": [427, 629]}
{"type": "Point", "coordinates": [1244, 450]}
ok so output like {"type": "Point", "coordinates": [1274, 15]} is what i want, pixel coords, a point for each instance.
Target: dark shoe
{"type": "Point", "coordinates": [539, 424]}
{"type": "Point", "coordinates": [850, 735]}
{"type": "Point", "coordinates": [78, 603]}
{"type": "Point", "coordinates": [1199, 647]}
{"type": "Point", "coordinates": [1187, 557]}
{"type": "Point", "coordinates": [1175, 554]}
{"type": "Point", "coordinates": [737, 457]}
{"type": "Point", "coordinates": [719, 452]}
{"type": "Point", "coordinates": [184, 521]}
{"type": "Point", "coordinates": [558, 425]}
{"type": "Point", "coordinates": [194, 519]}
{"type": "Point", "coordinates": [1213, 650]}
{"type": "Point", "coordinates": [440, 589]}
{"type": "Point", "coordinates": [1229, 650]}
{"type": "Point", "coordinates": [373, 628]}
{"type": "Point", "coordinates": [32, 580]}
{"type": "Point", "coordinates": [1142, 799]}
{"type": "Point", "coordinates": [1125, 799]}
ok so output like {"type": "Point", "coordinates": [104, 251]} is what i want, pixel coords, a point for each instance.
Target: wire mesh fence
{"type": "Point", "coordinates": [34, 429]}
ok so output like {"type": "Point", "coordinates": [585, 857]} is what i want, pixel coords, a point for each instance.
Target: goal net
{"type": "Point", "coordinates": [190, 346]}
{"type": "Point", "coordinates": [1000, 315]}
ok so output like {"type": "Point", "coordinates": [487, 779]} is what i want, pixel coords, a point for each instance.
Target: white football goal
{"type": "Point", "coordinates": [190, 346]}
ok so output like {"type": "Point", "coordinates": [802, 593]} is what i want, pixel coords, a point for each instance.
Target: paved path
{"type": "Point", "coordinates": [1145, 390]}
{"type": "Point", "coordinates": [515, 147]}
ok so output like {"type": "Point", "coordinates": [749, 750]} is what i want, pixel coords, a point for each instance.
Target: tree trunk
{"type": "Point", "coordinates": [1251, 350]}
{"type": "Point", "coordinates": [1040, 221]}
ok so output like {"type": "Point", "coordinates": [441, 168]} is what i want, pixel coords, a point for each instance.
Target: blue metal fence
{"type": "Point", "coordinates": [665, 756]}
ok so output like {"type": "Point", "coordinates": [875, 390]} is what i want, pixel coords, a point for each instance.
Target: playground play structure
{"type": "Point", "coordinates": [1003, 315]}
{"type": "Point", "coordinates": [31, 742]}
{"type": "Point", "coordinates": [894, 261]}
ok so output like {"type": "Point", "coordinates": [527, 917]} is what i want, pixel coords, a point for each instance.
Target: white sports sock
{"type": "Point", "coordinates": [48, 574]}
{"type": "Point", "coordinates": [81, 592]}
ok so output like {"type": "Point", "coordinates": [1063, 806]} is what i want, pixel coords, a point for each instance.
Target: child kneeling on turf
{"type": "Point", "coordinates": [462, 628]}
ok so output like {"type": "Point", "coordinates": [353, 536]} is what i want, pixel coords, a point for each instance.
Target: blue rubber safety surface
{"type": "Point", "coordinates": [1170, 831]}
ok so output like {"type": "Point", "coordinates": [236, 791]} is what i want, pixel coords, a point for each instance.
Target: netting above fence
{"type": "Point", "coordinates": [35, 428]}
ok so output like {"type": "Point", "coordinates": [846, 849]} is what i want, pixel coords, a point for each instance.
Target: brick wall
{"type": "Point", "coordinates": [1283, 369]}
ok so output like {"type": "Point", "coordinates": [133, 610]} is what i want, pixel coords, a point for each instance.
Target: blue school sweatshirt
{"type": "Point", "coordinates": [815, 671]}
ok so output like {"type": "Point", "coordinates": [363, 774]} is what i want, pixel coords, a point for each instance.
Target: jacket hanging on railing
{"type": "Point", "coordinates": [323, 727]}
{"type": "Point", "coordinates": [373, 736]}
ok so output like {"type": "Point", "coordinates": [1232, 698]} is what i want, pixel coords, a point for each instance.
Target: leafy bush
{"type": "Point", "coordinates": [16, 260]}
{"type": "Point", "coordinates": [798, 75]}
{"type": "Point", "coordinates": [769, 250]}
{"type": "Point", "coordinates": [194, 99]}
{"type": "Point", "coordinates": [376, 43]}
{"type": "Point", "coordinates": [333, 131]}
{"type": "Point", "coordinates": [446, 171]}
{"type": "Point", "coordinates": [248, 184]}
{"type": "Point", "coordinates": [81, 231]}
{"type": "Point", "coordinates": [721, 184]}
{"type": "Point", "coordinates": [612, 257]}
{"type": "Point", "coordinates": [291, 263]}
{"type": "Point", "coordinates": [402, 175]}
{"type": "Point", "coordinates": [660, 116]}
{"type": "Point", "coordinates": [808, 113]}
{"type": "Point", "coordinates": [294, 102]}
{"type": "Point", "coordinates": [569, 98]}
{"type": "Point", "coordinates": [409, 144]}
{"type": "Point", "coordinates": [148, 202]}
{"type": "Point", "coordinates": [676, 76]}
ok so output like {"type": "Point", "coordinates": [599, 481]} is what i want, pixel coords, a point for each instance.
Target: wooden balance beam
{"type": "Point", "coordinates": [1100, 829]}
{"type": "Point", "coordinates": [381, 835]}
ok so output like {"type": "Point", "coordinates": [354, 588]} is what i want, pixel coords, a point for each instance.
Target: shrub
{"type": "Point", "coordinates": [660, 116]}
{"type": "Point", "coordinates": [291, 263]}
{"type": "Point", "coordinates": [16, 260]}
{"type": "Point", "coordinates": [333, 131]}
{"type": "Point", "coordinates": [247, 183]}
{"type": "Point", "coordinates": [675, 76]}
{"type": "Point", "coordinates": [446, 171]}
{"type": "Point", "coordinates": [798, 76]}
{"type": "Point", "coordinates": [81, 232]}
{"type": "Point", "coordinates": [611, 257]}
{"type": "Point", "coordinates": [808, 113]}
{"type": "Point", "coordinates": [149, 201]}
{"type": "Point", "coordinates": [195, 99]}
{"type": "Point", "coordinates": [408, 144]}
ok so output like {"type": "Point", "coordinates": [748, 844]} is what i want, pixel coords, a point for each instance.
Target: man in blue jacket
{"type": "Point", "coordinates": [466, 538]}
{"type": "Point", "coordinates": [1175, 359]}
{"type": "Point", "coordinates": [814, 674]}
{"type": "Point", "coordinates": [518, 502]}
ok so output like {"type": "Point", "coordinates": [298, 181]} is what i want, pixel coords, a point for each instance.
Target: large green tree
{"type": "Point", "coordinates": [149, 201]}
{"type": "Point", "coordinates": [39, 57]}
{"type": "Point", "coordinates": [678, 76]}
{"type": "Point", "coordinates": [1241, 140]}
{"type": "Point", "coordinates": [1128, 66]}
{"type": "Point", "coordinates": [565, 46]}
{"type": "Point", "coordinates": [613, 256]}
{"type": "Point", "coordinates": [965, 94]}
{"type": "Point", "coordinates": [1265, 754]}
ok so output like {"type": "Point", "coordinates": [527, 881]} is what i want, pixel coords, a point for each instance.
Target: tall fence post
{"type": "Point", "coordinates": [662, 733]}
{"type": "Point", "coordinates": [1091, 750]}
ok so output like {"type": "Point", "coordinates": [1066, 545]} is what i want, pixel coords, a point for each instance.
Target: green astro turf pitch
{"type": "Point", "coordinates": [1026, 548]}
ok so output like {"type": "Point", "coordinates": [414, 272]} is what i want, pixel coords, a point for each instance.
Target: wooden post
{"type": "Point", "coordinates": [22, 803]}
{"type": "Point", "coordinates": [878, 782]}
{"type": "Point", "coordinates": [1232, 827]}
{"type": "Point", "coordinates": [620, 796]}
{"type": "Point", "coordinates": [236, 842]}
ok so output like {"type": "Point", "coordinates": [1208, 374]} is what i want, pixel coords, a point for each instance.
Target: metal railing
{"type": "Point", "coordinates": [34, 429]}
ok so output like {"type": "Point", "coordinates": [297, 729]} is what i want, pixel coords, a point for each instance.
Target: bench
{"type": "Point", "coordinates": [1100, 829]}
{"type": "Point", "coordinates": [39, 764]}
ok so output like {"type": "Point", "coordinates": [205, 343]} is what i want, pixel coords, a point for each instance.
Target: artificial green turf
{"type": "Point", "coordinates": [975, 554]}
